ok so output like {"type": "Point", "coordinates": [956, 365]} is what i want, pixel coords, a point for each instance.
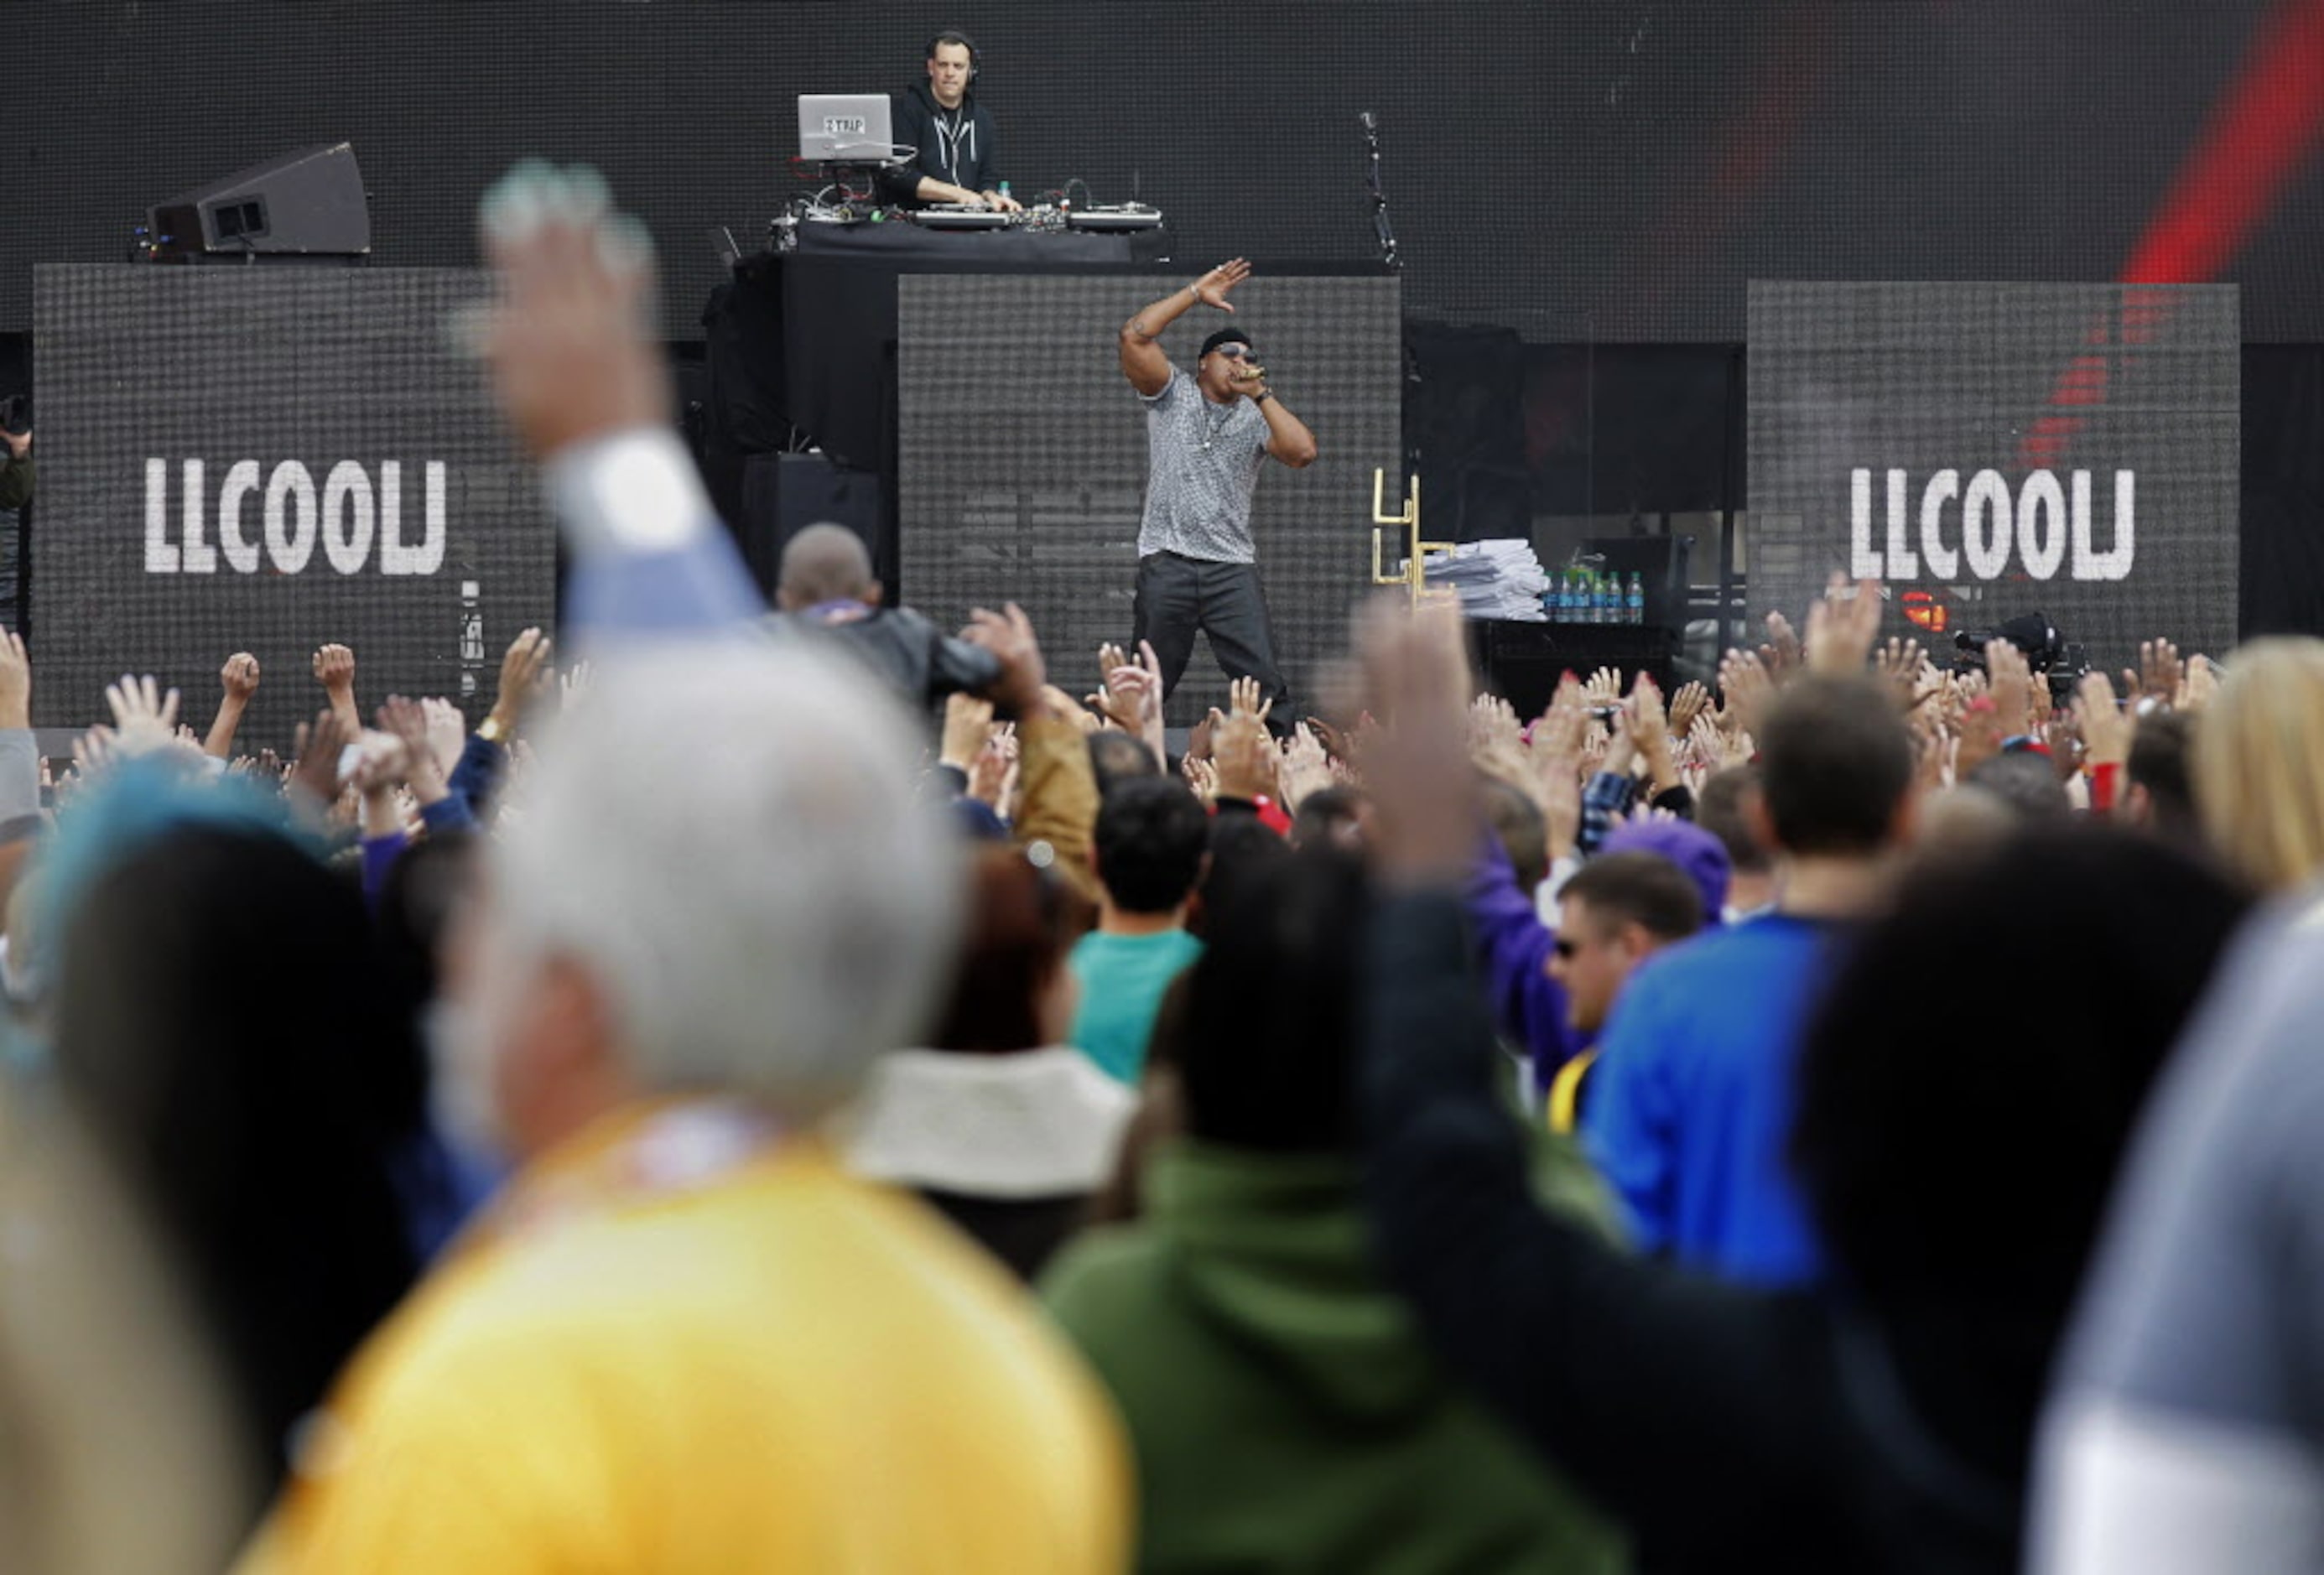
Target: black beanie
{"type": "Point", "coordinates": [1227, 336]}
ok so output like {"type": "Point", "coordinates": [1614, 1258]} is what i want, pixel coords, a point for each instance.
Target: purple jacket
{"type": "Point", "coordinates": [1513, 947]}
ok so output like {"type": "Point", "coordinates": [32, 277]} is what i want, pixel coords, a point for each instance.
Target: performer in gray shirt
{"type": "Point", "coordinates": [1206, 434]}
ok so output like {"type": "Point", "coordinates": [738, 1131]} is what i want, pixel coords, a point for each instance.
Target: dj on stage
{"type": "Point", "coordinates": [952, 133]}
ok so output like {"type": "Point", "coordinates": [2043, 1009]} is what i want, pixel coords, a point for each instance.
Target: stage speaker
{"type": "Point", "coordinates": [307, 204]}
{"type": "Point", "coordinates": [784, 494]}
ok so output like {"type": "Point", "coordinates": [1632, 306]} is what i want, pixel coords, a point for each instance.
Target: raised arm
{"type": "Point", "coordinates": [1142, 361]}
{"type": "Point", "coordinates": [583, 385]}
{"type": "Point", "coordinates": [237, 682]}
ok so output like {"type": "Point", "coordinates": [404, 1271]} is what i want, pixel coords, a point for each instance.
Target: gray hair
{"type": "Point", "coordinates": [768, 913]}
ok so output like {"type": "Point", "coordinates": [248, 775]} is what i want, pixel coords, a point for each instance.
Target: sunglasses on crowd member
{"type": "Point", "coordinates": [1235, 350]}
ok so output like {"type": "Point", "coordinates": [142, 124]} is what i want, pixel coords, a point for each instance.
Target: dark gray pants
{"type": "Point", "coordinates": [1178, 595]}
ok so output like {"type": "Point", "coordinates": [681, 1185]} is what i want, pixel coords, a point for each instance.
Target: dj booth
{"type": "Point", "coordinates": [805, 338]}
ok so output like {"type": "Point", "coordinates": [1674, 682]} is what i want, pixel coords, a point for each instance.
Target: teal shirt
{"type": "Point", "coordinates": [1123, 978]}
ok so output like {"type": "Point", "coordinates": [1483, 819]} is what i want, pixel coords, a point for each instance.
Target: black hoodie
{"type": "Point", "coordinates": [955, 145]}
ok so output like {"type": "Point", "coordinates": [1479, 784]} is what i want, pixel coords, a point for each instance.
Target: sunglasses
{"type": "Point", "coordinates": [1235, 350]}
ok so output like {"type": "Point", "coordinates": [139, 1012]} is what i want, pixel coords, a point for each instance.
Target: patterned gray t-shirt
{"type": "Point", "coordinates": [1204, 463]}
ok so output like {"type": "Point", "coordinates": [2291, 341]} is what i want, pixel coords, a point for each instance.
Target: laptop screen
{"type": "Point", "coordinates": [850, 128]}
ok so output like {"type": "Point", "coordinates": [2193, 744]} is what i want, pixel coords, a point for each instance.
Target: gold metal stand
{"type": "Point", "coordinates": [1415, 578]}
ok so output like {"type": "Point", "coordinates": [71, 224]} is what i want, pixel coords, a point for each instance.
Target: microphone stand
{"type": "Point", "coordinates": [1380, 225]}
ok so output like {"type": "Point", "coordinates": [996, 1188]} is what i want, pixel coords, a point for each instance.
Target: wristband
{"type": "Point", "coordinates": [2106, 780]}
{"type": "Point", "coordinates": [1262, 396]}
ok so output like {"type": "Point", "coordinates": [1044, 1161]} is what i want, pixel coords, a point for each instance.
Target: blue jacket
{"type": "Point", "coordinates": [1691, 1100]}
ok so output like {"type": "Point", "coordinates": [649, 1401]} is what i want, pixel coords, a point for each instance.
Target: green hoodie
{"type": "Point", "coordinates": [1285, 1414]}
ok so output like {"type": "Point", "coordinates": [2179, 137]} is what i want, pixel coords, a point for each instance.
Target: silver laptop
{"type": "Point", "coordinates": [845, 128]}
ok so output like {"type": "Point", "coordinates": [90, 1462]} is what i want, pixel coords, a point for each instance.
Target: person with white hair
{"type": "Point", "coordinates": [685, 1338]}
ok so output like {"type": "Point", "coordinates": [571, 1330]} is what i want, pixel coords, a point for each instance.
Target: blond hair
{"type": "Point", "coordinates": [2259, 762]}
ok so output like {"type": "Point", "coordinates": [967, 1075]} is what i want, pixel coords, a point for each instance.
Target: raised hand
{"type": "Point", "coordinates": [2202, 684]}
{"type": "Point", "coordinates": [406, 721]}
{"type": "Point", "coordinates": [1129, 694]}
{"type": "Point", "coordinates": [1649, 731]}
{"type": "Point", "coordinates": [2107, 728]}
{"type": "Point", "coordinates": [1202, 777]}
{"type": "Point", "coordinates": [314, 774]}
{"type": "Point", "coordinates": [1688, 703]}
{"type": "Point", "coordinates": [1119, 708]}
{"type": "Point", "coordinates": [996, 761]}
{"type": "Point", "coordinates": [1781, 655]}
{"type": "Point", "coordinates": [380, 763]}
{"type": "Point", "coordinates": [569, 348]}
{"type": "Point", "coordinates": [1335, 743]}
{"type": "Point", "coordinates": [2160, 672]}
{"type": "Point", "coordinates": [967, 722]}
{"type": "Point", "coordinates": [239, 677]}
{"type": "Point", "coordinates": [1557, 750]}
{"type": "Point", "coordinates": [1212, 288]}
{"type": "Point", "coordinates": [1744, 691]}
{"type": "Point", "coordinates": [448, 732]}
{"type": "Point", "coordinates": [1305, 770]}
{"type": "Point", "coordinates": [1494, 727]}
{"type": "Point", "coordinates": [2061, 733]}
{"type": "Point", "coordinates": [1981, 734]}
{"type": "Point", "coordinates": [1604, 687]}
{"type": "Point", "coordinates": [1416, 671]}
{"type": "Point", "coordinates": [15, 682]}
{"type": "Point", "coordinates": [1842, 626]}
{"type": "Point", "coordinates": [1244, 699]}
{"type": "Point", "coordinates": [237, 682]}
{"type": "Point", "coordinates": [144, 717]}
{"type": "Point", "coordinates": [92, 752]}
{"type": "Point", "coordinates": [2013, 686]}
{"type": "Point", "coordinates": [1899, 663]}
{"type": "Point", "coordinates": [1008, 635]}
{"type": "Point", "coordinates": [1244, 753]}
{"type": "Point", "coordinates": [520, 669]}
{"type": "Point", "coordinates": [335, 670]}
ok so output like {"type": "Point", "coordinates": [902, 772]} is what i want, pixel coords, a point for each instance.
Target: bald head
{"type": "Point", "coordinates": [825, 563]}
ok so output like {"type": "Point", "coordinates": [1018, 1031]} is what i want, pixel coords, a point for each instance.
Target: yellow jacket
{"type": "Point", "coordinates": [681, 1345]}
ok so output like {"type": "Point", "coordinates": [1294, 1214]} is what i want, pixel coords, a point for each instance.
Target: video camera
{"type": "Point", "coordinates": [2046, 650]}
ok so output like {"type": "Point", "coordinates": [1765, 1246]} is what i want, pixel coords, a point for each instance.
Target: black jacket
{"type": "Point", "coordinates": [955, 145]}
{"type": "Point", "coordinates": [1734, 1429]}
{"type": "Point", "coordinates": [920, 662]}
{"type": "Point", "coordinates": [16, 481]}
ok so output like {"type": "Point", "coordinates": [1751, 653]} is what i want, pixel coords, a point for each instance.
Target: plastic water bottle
{"type": "Point", "coordinates": [1634, 602]}
{"type": "Point", "coordinates": [1569, 595]}
{"type": "Point", "coordinates": [1610, 599]}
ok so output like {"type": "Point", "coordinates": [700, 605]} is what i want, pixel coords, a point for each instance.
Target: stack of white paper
{"type": "Point", "coordinates": [1496, 579]}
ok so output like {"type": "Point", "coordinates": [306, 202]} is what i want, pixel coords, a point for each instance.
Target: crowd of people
{"type": "Point", "coordinates": [1848, 1118]}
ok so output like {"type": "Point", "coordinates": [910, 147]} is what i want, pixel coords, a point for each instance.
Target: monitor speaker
{"type": "Point", "coordinates": [308, 204]}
